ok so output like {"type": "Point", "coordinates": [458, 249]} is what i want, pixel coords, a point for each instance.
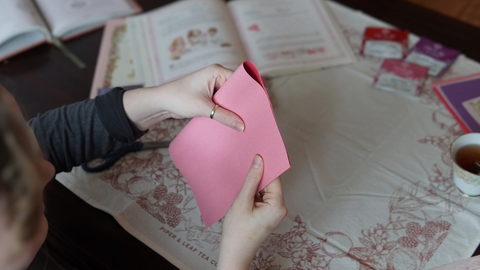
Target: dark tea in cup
{"type": "Point", "coordinates": [468, 158]}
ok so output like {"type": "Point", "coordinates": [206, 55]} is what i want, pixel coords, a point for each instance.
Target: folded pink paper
{"type": "Point", "coordinates": [215, 159]}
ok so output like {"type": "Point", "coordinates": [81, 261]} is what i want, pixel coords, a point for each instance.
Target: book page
{"type": "Point", "coordinates": [289, 34]}
{"type": "Point", "coordinates": [185, 37]}
{"type": "Point", "coordinates": [115, 65]}
{"type": "Point", "coordinates": [18, 17]}
{"type": "Point", "coordinates": [65, 16]}
{"type": "Point", "coordinates": [138, 47]}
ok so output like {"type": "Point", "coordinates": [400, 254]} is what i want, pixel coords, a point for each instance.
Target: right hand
{"type": "Point", "coordinates": [187, 97]}
{"type": "Point", "coordinates": [249, 222]}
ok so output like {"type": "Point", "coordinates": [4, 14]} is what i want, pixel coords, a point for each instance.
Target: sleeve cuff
{"type": "Point", "coordinates": [110, 110]}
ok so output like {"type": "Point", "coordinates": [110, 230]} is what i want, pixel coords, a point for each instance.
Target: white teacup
{"type": "Point", "coordinates": [465, 152]}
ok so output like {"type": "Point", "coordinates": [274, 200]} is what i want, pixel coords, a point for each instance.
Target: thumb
{"type": "Point", "coordinates": [229, 119]}
{"type": "Point", "coordinates": [254, 175]}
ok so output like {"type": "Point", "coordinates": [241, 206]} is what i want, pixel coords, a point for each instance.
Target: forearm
{"type": "Point", "coordinates": [230, 260]}
{"type": "Point", "coordinates": [190, 96]}
{"type": "Point", "coordinates": [74, 134]}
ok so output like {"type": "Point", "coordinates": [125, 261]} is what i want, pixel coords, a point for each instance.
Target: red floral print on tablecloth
{"type": "Point", "coordinates": [407, 239]}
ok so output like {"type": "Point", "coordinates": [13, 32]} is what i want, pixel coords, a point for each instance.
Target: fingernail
{"type": "Point", "coordinates": [238, 126]}
{"type": "Point", "coordinates": [257, 161]}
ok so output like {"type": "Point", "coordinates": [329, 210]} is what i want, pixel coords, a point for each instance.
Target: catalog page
{"type": "Point", "coordinates": [289, 34]}
{"type": "Point", "coordinates": [69, 16]}
{"type": "Point", "coordinates": [17, 17]}
{"type": "Point", "coordinates": [186, 36]}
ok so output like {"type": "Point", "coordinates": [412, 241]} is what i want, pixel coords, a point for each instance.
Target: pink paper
{"type": "Point", "coordinates": [214, 159]}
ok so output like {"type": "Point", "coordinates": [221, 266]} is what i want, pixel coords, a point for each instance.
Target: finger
{"type": "Point", "coordinates": [274, 187]}
{"type": "Point", "coordinates": [273, 197]}
{"type": "Point", "coordinates": [274, 191]}
{"type": "Point", "coordinates": [254, 175]}
{"type": "Point", "coordinates": [222, 75]}
{"type": "Point", "coordinates": [229, 119]}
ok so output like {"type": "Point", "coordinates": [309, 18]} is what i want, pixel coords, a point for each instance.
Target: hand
{"type": "Point", "coordinates": [249, 222]}
{"type": "Point", "coordinates": [190, 96]}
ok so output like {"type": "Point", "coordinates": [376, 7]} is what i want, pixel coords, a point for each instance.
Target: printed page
{"type": "Point", "coordinates": [65, 17]}
{"type": "Point", "coordinates": [138, 47]}
{"type": "Point", "coordinates": [184, 37]}
{"type": "Point", "coordinates": [19, 17]}
{"type": "Point", "coordinates": [289, 35]}
{"type": "Point", "coordinates": [115, 65]}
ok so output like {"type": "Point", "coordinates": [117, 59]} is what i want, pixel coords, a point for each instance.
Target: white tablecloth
{"type": "Point", "coordinates": [370, 184]}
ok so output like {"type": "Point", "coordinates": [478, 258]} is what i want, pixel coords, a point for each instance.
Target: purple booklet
{"type": "Point", "coordinates": [461, 96]}
{"type": "Point", "coordinates": [432, 55]}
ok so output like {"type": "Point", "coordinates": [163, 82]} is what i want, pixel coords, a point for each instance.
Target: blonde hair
{"type": "Point", "coordinates": [20, 191]}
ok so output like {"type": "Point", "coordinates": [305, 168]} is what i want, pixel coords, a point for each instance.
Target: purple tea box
{"type": "Point", "coordinates": [399, 76]}
{"type": "Point", "coordinates": [435, 56]}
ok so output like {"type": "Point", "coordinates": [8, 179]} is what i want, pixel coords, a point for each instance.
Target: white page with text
{"type": "Point", "coordinates": [65, 16]}
{"type": "Point", "coordinates": [18, 17]}
{"type": "Point", "coordinates": [289, 34]}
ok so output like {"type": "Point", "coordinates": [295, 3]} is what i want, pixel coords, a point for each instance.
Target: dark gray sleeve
{"type": "Point", "coordinates": [77, 133]}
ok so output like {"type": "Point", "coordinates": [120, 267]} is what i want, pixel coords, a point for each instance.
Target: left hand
{"type": "Point", "coordinates": [190, 96]}
{"type": "Point", "coordinates": [249, 221]}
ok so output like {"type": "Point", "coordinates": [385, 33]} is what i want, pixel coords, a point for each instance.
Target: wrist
{"type": "Point", "coordinates": [235, 257]}
{"type": "Point", "coordinates": [145, 106]}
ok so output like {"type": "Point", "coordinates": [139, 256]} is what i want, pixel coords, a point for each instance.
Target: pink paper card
{"type": "Point", "coordinates": [214, 159]}
{"type": "Point", "coordinates": [398, 76]}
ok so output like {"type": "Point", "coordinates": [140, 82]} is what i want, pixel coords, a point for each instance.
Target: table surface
{"type": "Point", "coordinates": [42, 79]}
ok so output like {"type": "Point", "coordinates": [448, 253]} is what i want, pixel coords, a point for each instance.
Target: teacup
{"type": "Point", "coordinates": [465, 152]}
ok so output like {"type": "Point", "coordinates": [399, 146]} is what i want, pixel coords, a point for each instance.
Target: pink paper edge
{"type": "Point", "coordinates": [435, 84]}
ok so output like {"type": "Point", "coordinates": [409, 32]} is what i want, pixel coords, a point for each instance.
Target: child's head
{"type": "Point", "coordinates": [23, 175]}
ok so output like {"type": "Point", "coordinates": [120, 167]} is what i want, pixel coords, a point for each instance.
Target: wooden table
{"type": "Point", "coordinates": [42, 78]}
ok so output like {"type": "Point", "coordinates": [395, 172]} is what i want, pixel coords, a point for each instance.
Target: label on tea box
{"type": "Point", "coordinates": [398, 76]}
{"type": "Point", "coordinates": [385, 42]}
{"type": "Point", "coordinates": [392, 82]}
{"type": "Point", "coordinates": [435, 66]}
{"type": "Point", "coordinates": [383, 49]}
{"type": "Point", "coordinates": [433, 55]}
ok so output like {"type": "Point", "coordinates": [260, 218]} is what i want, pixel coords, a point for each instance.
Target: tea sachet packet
{"type": "Point", "coordinates": [399, 76]}
{"type": "Point", "coordinates": [385, 43]}
{"type": "Point", "coordinates": [433, 55]}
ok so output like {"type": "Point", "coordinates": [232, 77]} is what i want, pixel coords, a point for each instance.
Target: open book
{"type": "Point", "coordinates": [279, 36]}
{"type": "Point", "coordinates": [27, 23]}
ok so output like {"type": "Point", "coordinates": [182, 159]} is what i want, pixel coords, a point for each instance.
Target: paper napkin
{"type": "Point", "coordinates": [214, 159]}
